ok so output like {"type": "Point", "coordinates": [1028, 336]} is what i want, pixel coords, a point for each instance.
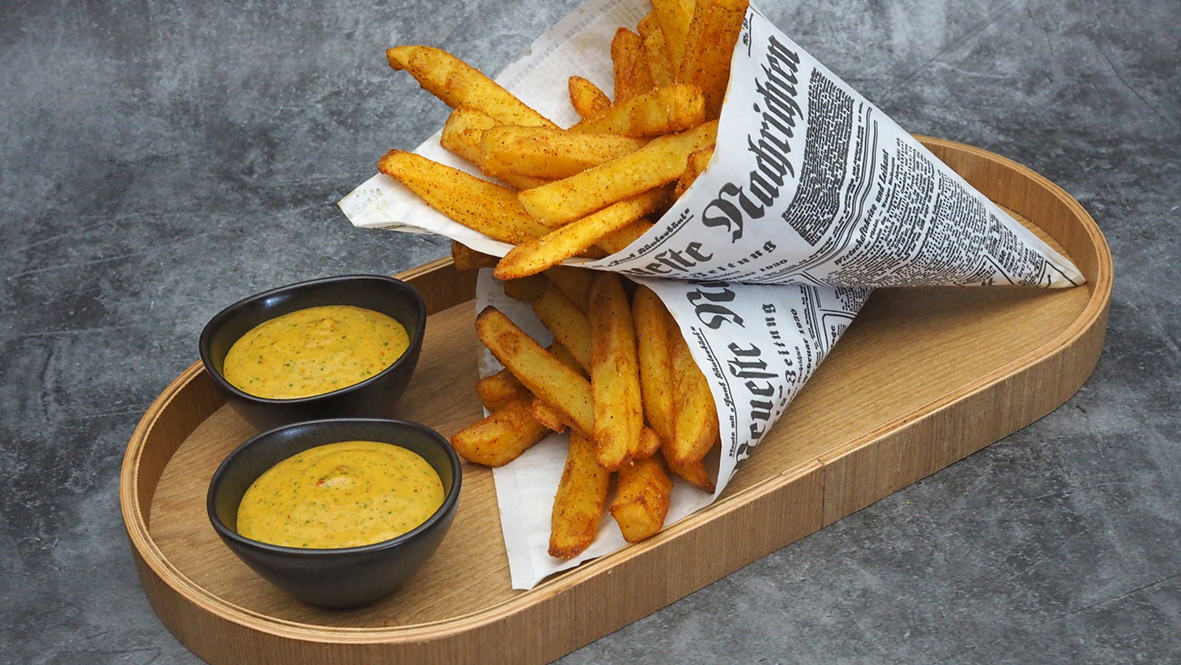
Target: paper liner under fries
{"type": "Point", "coordinates": [812, 198]}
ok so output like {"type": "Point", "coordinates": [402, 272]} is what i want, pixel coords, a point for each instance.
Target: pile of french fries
{"type": "Point", "coordinates": [618, 375]}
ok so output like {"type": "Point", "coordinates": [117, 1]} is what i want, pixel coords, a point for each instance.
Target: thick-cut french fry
{"type": "Point", "coordinates": [694, 473]}
{"type": "Point", "coordinates": [649, 443]}
{"type": "Point", "coordinates": [615, 373]}
{"type": "Point", "coordinates": [619, 239]}
{"type": "Point", "coordinates": [458, 84]}
{"type": "Point", "coordinates": [502, 436]}
{"type": "Point", "coordinates": [632, 76]}
{"type": "Point", "coordinates": [695, 423]}
{"type": "Point", "coordinates": [694, 166]}
{"type": "Point", "coordinates": [548, 416]}
{"type": "Point", "coordinates": [544, 375]}
{"type": "Point", "coordinates": [586, 97]}
{"type": "Point", "coordinates": [466, 258]}
{"type": "Point", "coordinates": [641, 499]}
{"type": "Point", "coordinates": [549, 154]}
{"type": "Point", "coordinates": [569, 325]}
{"type": "Point", "coordinates": [655, 328]}
{"type": "Point", "coordinates": [656, 51]}
{"type": "Point", "coordinates": [581, 496]}
{"type": "Point", "coordinates": [670, 108]}
{"type": "Point", "coordinates": [709, 47]}
{"type": "Point", "coordinates": [525, 289]}
{"type": "Point", "coordinates": [535, 256]}
{"type": "Point", "coordinates": [660, 161]}
{"type": "Point", "coordinates": [674, 17]}
{"type": "Point", "coordinates": [574, 282]}
{"type": "Point", "coordinates": [477, 204]}
{"type": "Point", "coordinates": [497, 390]}
{"type": "Point", "coordinates": [461, 135]}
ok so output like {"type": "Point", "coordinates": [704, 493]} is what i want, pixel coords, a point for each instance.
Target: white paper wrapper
{"type": "Point", "coordinates": [812, 198]}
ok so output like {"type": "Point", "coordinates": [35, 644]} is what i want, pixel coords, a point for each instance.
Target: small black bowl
{"type": "Point", "coordinates": [343, 577]}
{"type": "Point", "coordinates": [374, 397]}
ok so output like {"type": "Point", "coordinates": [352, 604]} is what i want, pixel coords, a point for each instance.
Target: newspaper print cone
{"type": "Point", "coordinates": [812, 198]}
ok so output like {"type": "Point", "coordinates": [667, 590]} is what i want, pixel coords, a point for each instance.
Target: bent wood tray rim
{"type": "Point", "coordinates": [169, 589]}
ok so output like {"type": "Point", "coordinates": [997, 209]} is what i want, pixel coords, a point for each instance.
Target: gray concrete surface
{"type": "Point", "coordinates": [162, 159]}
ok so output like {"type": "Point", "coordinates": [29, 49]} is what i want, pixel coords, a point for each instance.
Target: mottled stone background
{"type": "Point", "coordinates": [162, 159]}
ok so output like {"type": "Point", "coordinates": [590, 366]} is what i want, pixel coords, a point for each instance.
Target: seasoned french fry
{"type": "Point", "coordinates": [586, 97]}
{"type": "Point", "coordinates": [458, 84]}
{"type": "Point", "coordinates": [620, 239]}
{"type": "Point", "coordinates": [674, 17]}
{"type": "Point", "coordinates": [694, 473]}
{"type": "Point", "coordinates": [525, 289]}
{"type": "Point", "coordinates": [549, 154]}
{"type": "Point", "coordinates": [695, 423]}
{"type": "Point", "coordinates": [461, 135]}
{"type": "Point", "coordinates": [497, 390]}
{"type": "Point", "coordinates": [543, 374]}
{"type": "Point", "coordinates": [655, 328]}
{"type": "Point", "coordinates": [548, 416]}
{"type": "Point", "coordinates": [574, 282]}
{"type": "Point", "coordinates": [615, 373]}
{"type": "Point", "coordinates": [477, 204]}
{"type": "Point", "coordinates": [502, 436]}
{"type": "Point", "coordinates": [466, 258]}
{"type": "Point", "coordinates": [569, 325]}
{"type": "Point", "coordinates": [656, 51]}
{"type": "Point", "coordinates": [709, 46]}
{"type": "Point", "coordinates": [641, 499]}
{"type": "Point", "coordinates": [649, 443]}
{"type": "Point", "coordinates": [535, 256]}
{"type": "Point", "coordinates": [581, 496]}
{"type": "Point", "coordinates": [694, 166]}
{"type": "Point", "coordinates": [632, 76]}
{"type": "Point", "coordinates": [660, 161]}
{"type": "Point", "coordinates": [670, 108]}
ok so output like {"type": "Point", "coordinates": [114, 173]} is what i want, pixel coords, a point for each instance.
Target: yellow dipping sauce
{"type": "Point", "coordinates": [313, 351]}
{"type": "Point", "coordinates": [341, 495]}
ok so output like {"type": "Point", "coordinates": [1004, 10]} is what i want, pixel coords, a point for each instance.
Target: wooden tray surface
{"type": "Point", "coordinates": [923, 377]}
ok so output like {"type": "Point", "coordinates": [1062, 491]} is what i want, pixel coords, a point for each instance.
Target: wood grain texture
{"type": "Point", "coordinates": [923, 377]}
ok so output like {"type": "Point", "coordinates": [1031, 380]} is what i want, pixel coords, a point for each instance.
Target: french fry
{"type": "Point", "coordinates": [615, 374]}
{"type": "Point", "coordinates": [466, 258]}
{"type": "Point", "coordinates": [461, 135]}
{"type": "Point", "coordinates": [708, 48]}
{"type": "Point", "coordinates": [674, 17]}
{"type": "Point", "coordinates": [477, 204]}
{"type": "Point", "coordinates": [569, 325]}
{"type": "Point", "coordinates": [670, 108]}
{"type": "Point", "coordinates": [619, 239]}
{"type": "Point", "coordinates": [656, 51]}
{"type": "Point", "coordinates": [548, 416]}
{"type": "Point", "coordinates": [502, 436]}
{"type": "Point", "coordinates": [649, 443]}
{"type": "Point", "coordinates": [655, 328]}
{"type": "Point", "coordinates": [695, 423]}
{"type": "Point", "coordinates": [525, 289]}
{"type": "Point", "coordinates": [631, 73]}
{"type": "Point", "coordinates": [535, 256]}
{"type": "Point", "coordinates": [497, 390]}
{"type": "Point", "coordinates": [694, 166]}
{"type": "Point", "coordinates": [659, 162]}
{"type": "Point", "coordinates": [641, 499]}
{"type": "Point", "coordinates": [543, 374]}
{"type": "Point", "coordinates": [458, 84]}
{"type": "Point", "coordinates": [579, 503]}
{"type": "Point", "coordinates": [586, 97]}
{"type": "Point", "coordinates": [574, 282]}
{"type": "Point", "coordinates": [549, 154]}
{"type": "Point", "coordinates": [694, 473]}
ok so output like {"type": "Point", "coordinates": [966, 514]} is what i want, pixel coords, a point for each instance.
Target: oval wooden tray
{"type": "Point", "coordinates": [924, 377]}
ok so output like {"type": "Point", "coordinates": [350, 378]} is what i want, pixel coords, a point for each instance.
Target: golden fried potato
{"type": "Point", "coordinates": [502, 436]}
{"type": "Point", "coordinates": [641, 499]}
{"type": "Point", "coordinates": [549, 154]}
{"type": "Point", "coordinates": [615, 374]}
{"type": "Point", "coordinates": [664, 110]}
{"type": "Point", "coordinates": [581, 496]}
{"type": "Point", "coordinates": [695, 422]}
{"type": "Point", "coordinates": [586, 97]}
{"type": "Point", "coordinates": [631, 74]}
{"type": "Point", "coordinates": [709, 47]}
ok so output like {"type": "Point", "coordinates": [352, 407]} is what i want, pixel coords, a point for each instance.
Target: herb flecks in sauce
{"type": "Point", "coordinates": [341, 495]}
{"type": "Point", "coordinates": [314, 351]}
